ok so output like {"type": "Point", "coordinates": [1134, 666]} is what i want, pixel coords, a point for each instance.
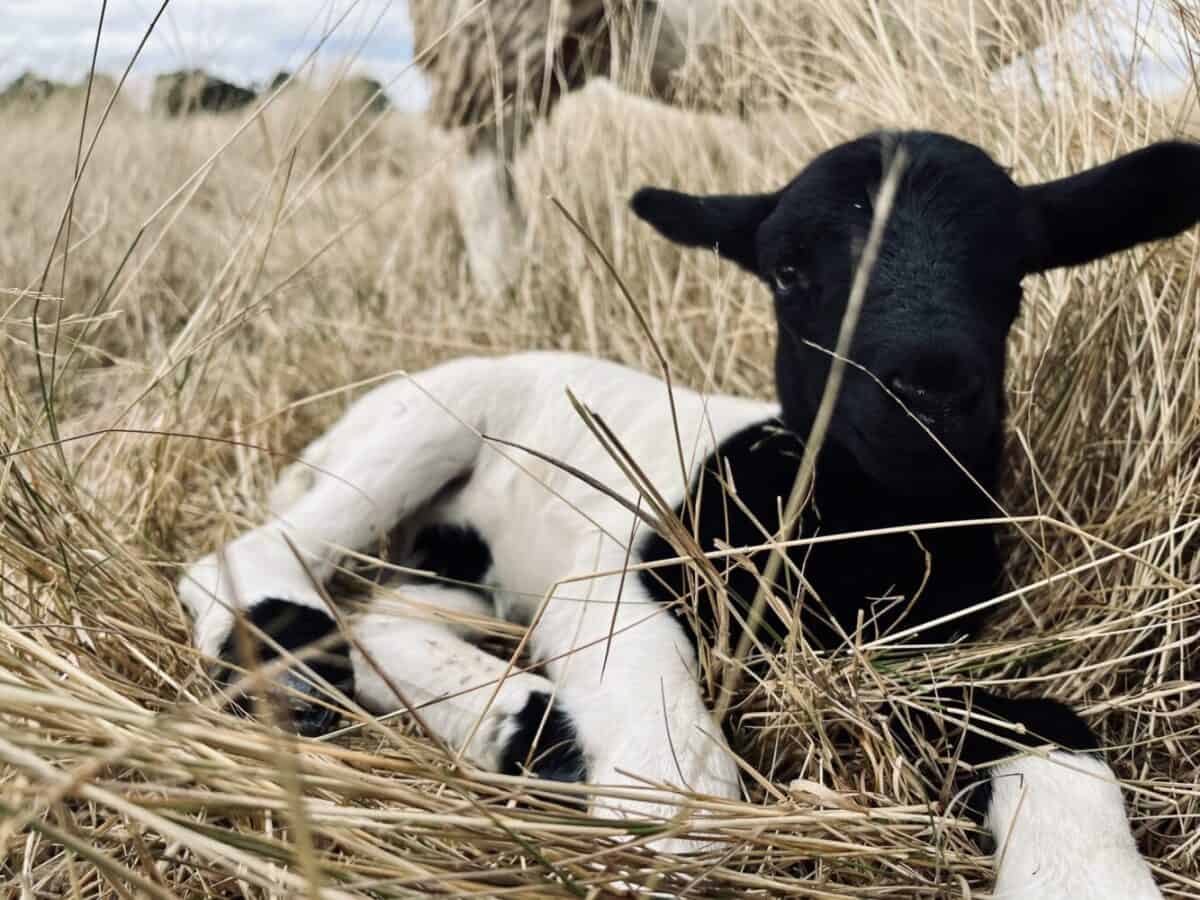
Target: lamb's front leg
{"type": "Point", "coordinates": [1057, 816]}
{"type": "Point", "coordinates": [634, 700]}
{"type": "Point", "coordinates": [415, 657]}
{"type": "Point", "coordinates": [1061, 832]}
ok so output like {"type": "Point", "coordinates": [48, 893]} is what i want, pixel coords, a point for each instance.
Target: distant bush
{"type": "Point", "coordinates": [194, 90]}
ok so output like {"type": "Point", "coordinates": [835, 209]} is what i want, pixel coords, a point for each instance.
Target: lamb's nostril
{"type": "Point", "coordinates": [905, 389]}
{"type": "Point", "coordinates": [937, 385]}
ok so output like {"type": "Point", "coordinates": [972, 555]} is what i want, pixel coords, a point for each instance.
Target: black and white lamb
{"type": "Point", "coordinates": [915, 437]}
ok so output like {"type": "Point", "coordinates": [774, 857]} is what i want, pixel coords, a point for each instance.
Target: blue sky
{"type": "Point", "coordinates": [242, 40]}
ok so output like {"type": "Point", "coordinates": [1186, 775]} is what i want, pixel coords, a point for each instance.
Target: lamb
{"type": "Point", "coordinates": [482, 472]}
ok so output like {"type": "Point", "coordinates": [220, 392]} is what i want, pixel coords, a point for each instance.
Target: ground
{"type": "Point", "coordinates": [230, 286]}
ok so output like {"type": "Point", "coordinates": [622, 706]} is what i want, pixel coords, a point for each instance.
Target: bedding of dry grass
{"type": "Point", "coordinates": [230, 287]}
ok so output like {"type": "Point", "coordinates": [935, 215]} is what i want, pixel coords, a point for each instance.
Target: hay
{"type": "Point", "coordinates": [225, 297]}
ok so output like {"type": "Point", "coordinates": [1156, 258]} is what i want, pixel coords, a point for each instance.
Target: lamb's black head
{"type": "Point", "coordinates": [928, 352]}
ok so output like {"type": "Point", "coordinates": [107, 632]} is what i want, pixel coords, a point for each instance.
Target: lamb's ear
{"type": "Point", "coordinates": [1148, 195]}
{"type": "Point", "coordinates": [726, 223]}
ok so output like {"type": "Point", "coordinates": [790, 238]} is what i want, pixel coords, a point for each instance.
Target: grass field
{"type": "Point", "coordinates": [230, 286]}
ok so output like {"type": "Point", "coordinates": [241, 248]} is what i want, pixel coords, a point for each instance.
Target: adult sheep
{"type": "Point", "coordinates": [497, 67]}
{"type": "Point", "coordinates": [482, 472]}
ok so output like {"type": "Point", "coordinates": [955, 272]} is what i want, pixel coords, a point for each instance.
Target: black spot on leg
{"type": "Point", "coordinates": [453, 554]}
{"type": "Point", "coordinates": [556, 755]}
{"type": "Point", "coordinates": [294, 627]}
{"type": "Point", "coordinates": [456, 553]}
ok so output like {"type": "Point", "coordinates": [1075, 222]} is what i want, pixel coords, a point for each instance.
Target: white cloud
{"type": "Point", "coordinates": [242, 40]}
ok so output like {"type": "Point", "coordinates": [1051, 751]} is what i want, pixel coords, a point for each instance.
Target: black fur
{"type": "Point", "coordinates": [295, 627]}
{"type": "Point", "coordinates": [944, 292]}
{"type": "Point", "coordinates": [556, 755]}
{"type": "Point", "coordinates": [1148, 195]}
{"type": "Point", "coordinates": [885, 573]}
{"type": "Point", "coordinates": [454, 553]}
{"type": "Point", "coordinates": [931, 337]}
{"type": "Point", "coordinates": [723, 223]}
{"type": "Point", "coordinates": [929, 356]}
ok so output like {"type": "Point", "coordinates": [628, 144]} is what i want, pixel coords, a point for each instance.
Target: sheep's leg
{"type": "Point", "coordinates": [660, 49]}
{"type": "Point", "coordinates": [501, 721]}
{"type": "Point", "coordinates": [532, 77]}
{"type": "Point", "coordinates": [493, 226]}
{"type": "Point", "coordinates": [391, 454]}
{"type": "Point", "coordinates": [1060, 829]}
{"type": "Point", "coordinates": [1057, 818]}
{"type": "Point", "coordinates": [628, 681]}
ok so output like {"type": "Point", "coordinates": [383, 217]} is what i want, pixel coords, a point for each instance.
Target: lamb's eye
{"type": "Point", "coordinates": [785, 278]}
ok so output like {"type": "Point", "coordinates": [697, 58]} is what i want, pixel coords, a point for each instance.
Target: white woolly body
{"type": "Point", "coordinates": [639, 715]}
{"type": "Point", "coordinates": [386, 460]}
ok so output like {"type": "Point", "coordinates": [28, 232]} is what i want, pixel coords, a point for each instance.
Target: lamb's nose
{"type": "Point", "coordinates": [937, 384]}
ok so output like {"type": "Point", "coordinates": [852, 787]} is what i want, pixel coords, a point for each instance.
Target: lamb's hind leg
{"type": "Point", "coordinates": [391, 453]}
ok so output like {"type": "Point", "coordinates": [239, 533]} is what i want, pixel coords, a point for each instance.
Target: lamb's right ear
{"type": "Point", "coordinates": [1148, 195]}
{"type": "Point", "coordinates": [726, 223]}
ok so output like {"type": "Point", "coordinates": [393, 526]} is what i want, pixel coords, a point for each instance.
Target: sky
{"type": "Point", "coordinates": [243, 41]}
{"type": "Point", "coordinates": [248, 41]}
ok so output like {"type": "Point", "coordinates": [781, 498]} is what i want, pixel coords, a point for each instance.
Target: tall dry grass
{"type": "Point", "coordinates": [227, 289]}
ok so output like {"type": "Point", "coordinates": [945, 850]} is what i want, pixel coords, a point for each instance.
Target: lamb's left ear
{"type": "Point", "coordinates": [1148, 195]}
{"type": "Point", "coordinates": [726, 223]}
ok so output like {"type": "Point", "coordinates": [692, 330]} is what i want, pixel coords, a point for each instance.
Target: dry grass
{"type": "Point", "coordinates": [225, 297]}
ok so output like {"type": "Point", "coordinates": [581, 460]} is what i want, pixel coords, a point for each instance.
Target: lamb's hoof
{"type": "Point", "coordinates": [294, 627]}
